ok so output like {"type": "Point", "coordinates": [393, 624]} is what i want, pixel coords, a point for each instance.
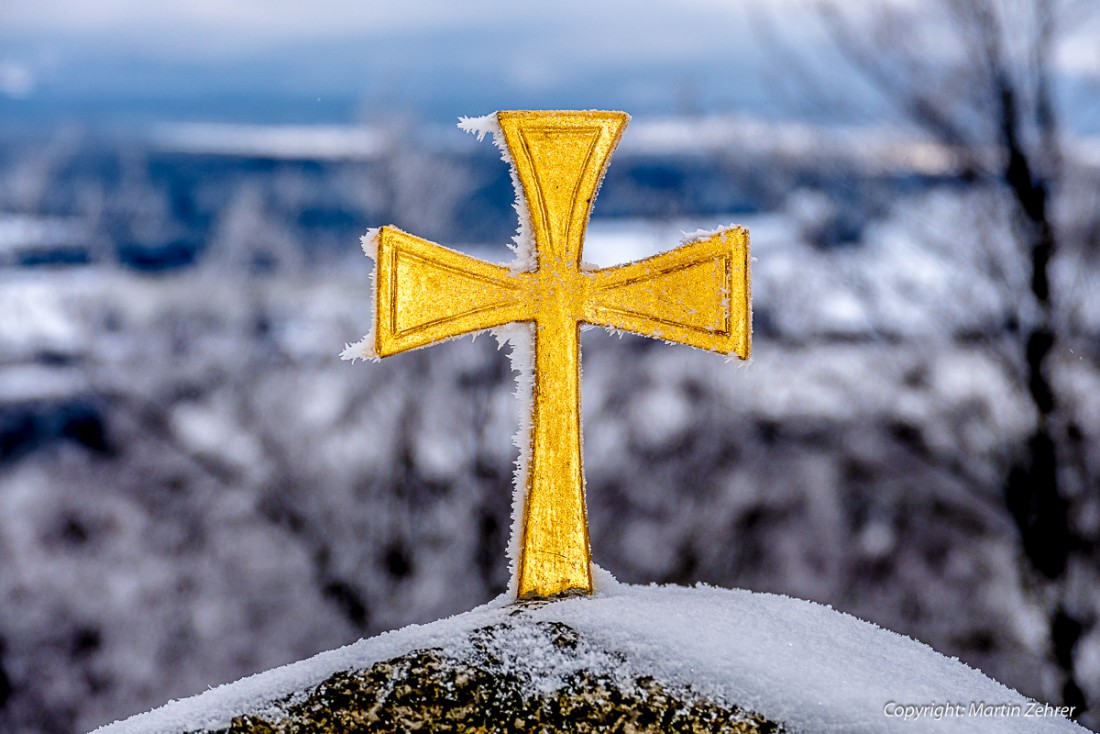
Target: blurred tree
{"type": "Point", "coordinates": [979, 78]}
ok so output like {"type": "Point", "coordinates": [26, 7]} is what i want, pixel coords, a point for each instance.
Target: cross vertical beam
{"type": "Point", "coordinates": [559, 162]}
{"type": "Point", "coordinates": [555, 558]}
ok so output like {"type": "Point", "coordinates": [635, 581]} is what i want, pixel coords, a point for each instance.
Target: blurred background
{"type": "Point", "coordinates": [194, 488]}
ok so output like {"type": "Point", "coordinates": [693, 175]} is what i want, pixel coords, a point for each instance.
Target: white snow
{"type": "Point", "coordinates": [796, 662]}
{"type": "Point", "coordinates": [523, 243]}
{"type": "Point", "coordinates": [279, 142]}
{"type": "Point", "coordinates": [369, 242]}
{"type": "Point", "coordinates": [215, 430]}
{"type": "Point", "coordinates": [364, 348]}
{"type": "Point", "coordinates": [520, 338]}
{"type": "Point", "coordinates": [661, 416]}
{"type": "Point", "coordinates": [21, 231]}
{"type": "Point", "coordinates": [877, 149]}
{"type": "Point", "coordinates": [30, 383]}
{"type": "Point", "coordinates": [33, 315]}
{"type": "Point", "coordinates": [480, 126]}
{"type": "Point", "coordinates": [881, 149]}
{"type": "Point", "coordinates": [686, 238]}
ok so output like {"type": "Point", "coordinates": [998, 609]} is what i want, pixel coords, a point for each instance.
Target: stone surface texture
{"type": "Point", "coordinates": [570, 689]}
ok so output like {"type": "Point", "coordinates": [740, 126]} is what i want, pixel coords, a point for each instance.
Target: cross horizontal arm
{"type": "Point", "coordinates": [697, 294]}
{"type": "Point", "coordinates": [427, 293]}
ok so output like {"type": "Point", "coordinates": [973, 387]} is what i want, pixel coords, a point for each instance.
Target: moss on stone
{"type": "Point", "coordinates": [570, 686]}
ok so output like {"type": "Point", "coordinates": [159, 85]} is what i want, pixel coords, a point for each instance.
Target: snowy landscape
{"type": "Point", "coordinates": [197, 488]}
{"type": "Point", "coordinates": [194, 488]}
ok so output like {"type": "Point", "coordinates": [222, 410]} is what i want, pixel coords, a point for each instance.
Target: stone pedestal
{"type": "Point", "coordinates": [630, 659]}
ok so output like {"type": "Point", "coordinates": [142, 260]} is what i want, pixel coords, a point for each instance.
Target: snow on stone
{"type": "Point", "coordinates": [795, 662]}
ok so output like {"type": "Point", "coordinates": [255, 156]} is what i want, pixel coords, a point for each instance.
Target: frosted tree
{"type": "Point", "coordinates": [979, 78]}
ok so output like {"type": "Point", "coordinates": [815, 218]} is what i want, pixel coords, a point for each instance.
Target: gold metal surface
{"type": "Point", "coordinates": [697, 294]}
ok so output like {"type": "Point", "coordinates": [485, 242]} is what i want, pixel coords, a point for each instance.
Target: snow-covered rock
{"type": "Point", "coordinates": [803, 666]}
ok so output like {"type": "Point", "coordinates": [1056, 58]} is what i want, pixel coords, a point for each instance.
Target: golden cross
{"type": "Point", "coordinates": [697, 294]}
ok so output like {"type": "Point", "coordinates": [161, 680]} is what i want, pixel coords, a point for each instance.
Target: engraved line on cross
{"type": "Point", "coordinates": [697, 294]}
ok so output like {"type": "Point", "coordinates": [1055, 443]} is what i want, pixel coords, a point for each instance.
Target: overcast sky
{"type": "Point", "coordinates": [458, 54]}
{"type": "Point", "coordinates": [222, 26]}
{"type": "Point", "coordinates": [653, 55]}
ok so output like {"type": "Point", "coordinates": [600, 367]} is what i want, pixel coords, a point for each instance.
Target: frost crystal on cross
{"type": "Point", "coordinates": [697, 294]}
